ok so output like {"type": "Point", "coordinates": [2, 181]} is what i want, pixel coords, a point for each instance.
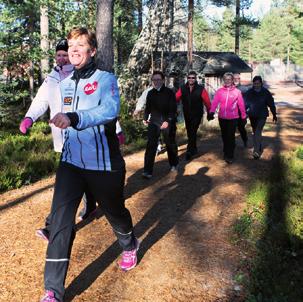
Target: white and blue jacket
{"type": "Point", "coordinates": [90, 98]}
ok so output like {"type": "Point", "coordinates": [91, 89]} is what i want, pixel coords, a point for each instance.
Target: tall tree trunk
{"type": "Point", "coordinates": [119, 46]}
{"type": "Point", "coordinates": [31, 64]}
{"type": "Point", "coordinates": [237, 30]}
{"type": "Point", "coordinates": [190, 34]}
{"type": "Point", "coordinates": [44, 42]}
{"type": "Point", "coordinates": [104, 32]}
{"type": "Point", "coordinates": [171, 25]}
{"type": "Point", "coordinates": [140, 16]}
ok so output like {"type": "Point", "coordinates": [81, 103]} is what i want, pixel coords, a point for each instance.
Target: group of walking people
{"type": "Point", "coordinates": [84, 107]}
{"type": "Point", "coordinates": [233, 102]}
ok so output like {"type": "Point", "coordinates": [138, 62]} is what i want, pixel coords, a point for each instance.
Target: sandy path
{"type": "Point", "coordinates": [182, 220]}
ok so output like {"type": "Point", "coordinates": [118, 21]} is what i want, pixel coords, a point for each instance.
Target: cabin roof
{"type": "Point", "coordinates": [209, 63]}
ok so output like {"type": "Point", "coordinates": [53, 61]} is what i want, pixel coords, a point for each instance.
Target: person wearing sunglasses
{"type": "Point", "coordinates": [194, 97]}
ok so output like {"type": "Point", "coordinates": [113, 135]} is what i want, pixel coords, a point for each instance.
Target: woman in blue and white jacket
{"type": "Point", "coordinates": [91, 160]}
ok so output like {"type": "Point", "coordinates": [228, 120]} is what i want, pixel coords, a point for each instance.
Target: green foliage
{"type": "Point", "coordinates": [134, 130]}
{"type": "Point", "coordinates": [11, 103]}
{"type": "Point", "coordinates": [280, 30]}
{"type": "Point", "coordinates": [201, 33]}
{"type": "Point", "coordinates": [272, 228]}
{"type": "Point", "coordinates": [226, 32]}
{"type": "Point", "coordinates": [126, 30]}
{"type": "Point", "coordinates": [26, 159]}
{"type": "Point", "coordinates": [271, 39]}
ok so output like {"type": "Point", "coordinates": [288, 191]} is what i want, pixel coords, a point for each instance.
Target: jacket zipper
{"type": "Point", "coordinates": [226, 101]}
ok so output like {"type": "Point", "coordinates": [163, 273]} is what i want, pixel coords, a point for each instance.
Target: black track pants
{"type": "Point", "coordinates": [192, 124]}
{"type": "Point", "coordinates": [228, 130]}
{"type": "Point", "coordinates": [169, 137]}
{"type": "Point", "coordinates": [71, 183]}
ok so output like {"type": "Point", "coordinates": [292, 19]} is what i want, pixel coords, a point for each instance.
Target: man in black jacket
{"type": "Point", "coordinates": [160, 116]}
{"type": "Point", "coordinates": [193, 97]}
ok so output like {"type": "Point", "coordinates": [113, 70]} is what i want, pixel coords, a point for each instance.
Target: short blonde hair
{"type": "Point", "coordinates": [83, 31]}
{"type": "Point", "coordinates": [228, 74]}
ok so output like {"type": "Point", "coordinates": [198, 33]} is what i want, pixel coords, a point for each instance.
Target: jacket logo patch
{"type": "Point", "coordinates": [67, 101]}
{"type": "Point", "coordinates": [90, 88]}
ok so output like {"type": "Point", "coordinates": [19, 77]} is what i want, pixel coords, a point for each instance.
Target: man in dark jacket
{"type": "Point", "coordinates": [193, 97]}
{"type": "Point", "coordinates": [160, 116]}
{"type": "Point", "coordinates": [258, 99]}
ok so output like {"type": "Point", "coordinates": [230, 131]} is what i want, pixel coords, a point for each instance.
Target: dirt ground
{"type": "Point", "coordinates": [182, 219]}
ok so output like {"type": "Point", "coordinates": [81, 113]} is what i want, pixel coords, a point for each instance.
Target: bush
{"type": "Point", "coordinates": [26, 158]}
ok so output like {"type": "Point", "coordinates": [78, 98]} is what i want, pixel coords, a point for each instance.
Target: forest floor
{"type": "Point", "coordinates": [183, 221]}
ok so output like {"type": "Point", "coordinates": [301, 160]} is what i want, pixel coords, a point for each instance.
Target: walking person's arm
{"type": "Point", "coordinates": [205, 99]}
{"type": "Point", "coordinates": [37, 108]}
{"type": "Point", "coordinates": [271, 104]}
{"type": "Point", "coordinates": [241, 106]}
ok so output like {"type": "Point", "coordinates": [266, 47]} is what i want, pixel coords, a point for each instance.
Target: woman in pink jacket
{"type": "Point", "coordinates": [231, 104]}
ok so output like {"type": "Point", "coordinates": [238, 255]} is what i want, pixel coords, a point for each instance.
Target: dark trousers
{"type": "Point", "coordinates": [257, 125]}
{"type": "Point", "coordinates": [169, 137]}
{"type": "Point", "coordinates": [192, 124]}
{"type": "Point", "coordinates": [89, 205]}
{"type": "Point", "coordinates": [71, 183]}
{"type": "Point", "coordinates": [228, 130]}
{"type": "Point", "coordinates": [242, 130]}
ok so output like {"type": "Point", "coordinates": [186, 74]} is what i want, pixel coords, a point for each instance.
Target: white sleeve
{"type": "Point", "coordinates": [40, 103]}
{"type": "Point", "coordinates": [118, 127]}
{"type": "Point", "coordinates": [142, 100]}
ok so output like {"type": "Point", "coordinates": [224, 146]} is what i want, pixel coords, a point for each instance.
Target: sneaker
{"type": "Point", "coordinates": [146, 175]}
{"type": "Point", "coordinates": [129, 258]}
{"type": "Point", "coordinates": [84, 213]}
{"type": "Point", "coordinates": [228, 160]}
{"type": "Point", "coordinates": [256, 155]}
{"type": "Point", "coordinates": [43, 234]}
{"type": "Point", "coordinates": [49, 297]}
{"type": "Point", "coordinates": [173, 168]}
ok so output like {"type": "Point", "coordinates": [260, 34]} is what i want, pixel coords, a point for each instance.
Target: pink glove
{"type": "Point", "coordinates": [25, 124]}
{"type": "Point", "coordinates": [121, 138]}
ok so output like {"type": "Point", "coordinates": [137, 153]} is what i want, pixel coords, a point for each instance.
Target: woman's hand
{"type": "Point", "coordinates": [164, 125]}
{"type": "Point", "coordinates": [60, 120]}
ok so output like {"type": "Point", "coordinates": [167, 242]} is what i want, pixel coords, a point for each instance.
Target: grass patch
{"type": "Point", "coordinates": [26, 159]}
{"type": "Point", "coordinates": [270, 231]}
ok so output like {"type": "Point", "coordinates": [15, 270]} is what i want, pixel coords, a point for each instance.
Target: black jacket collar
{"type": "Point", "coordinates": [85, 72]}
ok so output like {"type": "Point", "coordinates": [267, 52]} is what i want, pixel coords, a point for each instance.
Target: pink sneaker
{"type": "Point", "coordinates": [129, 258]}
{"type": "Point", "coordinates": [43, 234]}
{"type": "Point", "coordinates": [49, 297]}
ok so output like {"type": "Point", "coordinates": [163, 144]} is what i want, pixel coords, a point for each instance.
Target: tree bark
{"type": "Point", "coordinates": [104, 33]}
{"type": "Point", "coordinates": [44, 42]}
{"type": "Point", "coordinates": [190, 34]}
{"type": "Point", "coordinates": [140, 16]}
{"type": "Point", "coordinates": [237, 29]}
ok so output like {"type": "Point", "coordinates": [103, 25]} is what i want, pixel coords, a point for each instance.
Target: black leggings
{"type": "Point", "coordinates": [71, 183]}
{"type": "Point", "coordinates": [169, 136]}
{"type": "Point", "coordinates": [228, 131]}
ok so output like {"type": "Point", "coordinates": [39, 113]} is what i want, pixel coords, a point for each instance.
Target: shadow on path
{"type": "Point", "coordinates": [19, 200]}
{"type": "Point", "coordinates": [163, 215]}
{"type": "Point", "coordinates": [276, 273]}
